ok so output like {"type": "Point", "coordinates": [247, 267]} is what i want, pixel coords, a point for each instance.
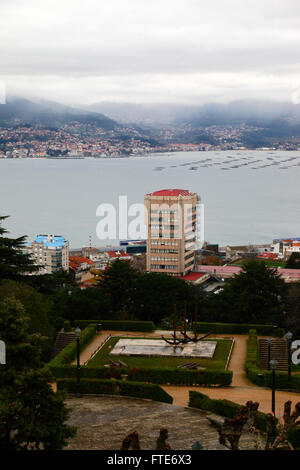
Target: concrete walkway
{"type": "Point", "coordinates": [240, 391]}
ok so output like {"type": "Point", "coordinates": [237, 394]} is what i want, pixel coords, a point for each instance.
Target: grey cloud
{"type": "Point", "coordinates": [146, 40]}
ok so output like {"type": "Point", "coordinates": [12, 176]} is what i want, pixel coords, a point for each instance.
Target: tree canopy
{"type": "Point", "coordinates": [256, 295]}
{"type": "Point", "coordinates": [32, 415]}
{"type": "Point", "coordinates": [14, 262]}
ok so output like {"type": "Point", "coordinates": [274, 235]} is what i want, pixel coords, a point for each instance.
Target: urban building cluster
{"type": "Point", "coordinates": [171, 248]}
{"type": "Point", "coordinates": [77, 140]}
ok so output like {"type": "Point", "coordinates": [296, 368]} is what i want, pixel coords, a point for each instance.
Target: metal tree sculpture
{"type": "Point", "coordinates": [175, 341]}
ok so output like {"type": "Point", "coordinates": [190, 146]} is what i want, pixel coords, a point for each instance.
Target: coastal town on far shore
{"type": "Point", "coordinates": [78, 140]}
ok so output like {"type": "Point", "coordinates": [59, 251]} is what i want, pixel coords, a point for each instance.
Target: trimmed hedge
{"type": "Point", "coordinates": [68, 354]}
{"type": "Point", "coordinates": [155, 376]}
{"type": "Point", "coordinates": [242, 329]}
{"type": "Point", "coordinates": [252, 366]}
{"type": "Point", "coordinates": [116, 387]}
{"type": "Point", "coordinates": [226, 408]}
{"type": "Point", "coordinates": [294, 437]}
{"type": "Point", "coordinates": [264, 377]}
{"type": "Point", "coordinates": [145, 326]}
{"type": "Point", "coordinates": [282, 381]}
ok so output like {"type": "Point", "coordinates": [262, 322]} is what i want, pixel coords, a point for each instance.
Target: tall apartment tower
{"type": "Point", "coordinates": [50, 252]}
{"type": "Point", "coordinates": [171, 224]}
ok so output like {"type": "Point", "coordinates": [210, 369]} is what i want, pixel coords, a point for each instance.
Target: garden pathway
{"type": "Point", "coordinates": [240, 391]}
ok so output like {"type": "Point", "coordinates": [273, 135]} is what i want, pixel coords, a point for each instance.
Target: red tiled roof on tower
{"type": "Point", "coordinates": [171, 192]}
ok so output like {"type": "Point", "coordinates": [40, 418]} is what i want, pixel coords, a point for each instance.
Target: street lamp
{"type": "Point", "coordinates": [269, 352]}
{"type": "Point", "coordinates": [289, 337]}
{"type": "Point", "coordinates": [77, 336]}
{"type": "Point", "coordinates": [273, 365]}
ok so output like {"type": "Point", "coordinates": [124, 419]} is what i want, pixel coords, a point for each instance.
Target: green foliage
{"type": "Point", "coordinates": [68, 354]}
{"type": "Point", "coordinates": [218, 362]}
{"type": "Point", "coordinates": [226, 408]}
{"type": "Point", "coordinates": [237, 328]}
{"type": "Point", "coordinates": [257, 296]}
{"type": "Point", "coordinates": [118, 284]}
{"type": "Point", "coordinates": [132, 295]}
{"type": "Point", "coordinates": [282, 382]}
{"type": "Point", "coordinates": [252, 359]}
{"type": "Point", "coordinates": [155, 376]}
{"type": "Point", "coordinates": [67, 325]}
{"type": "Point", "coordinates": [116, 387]}
{"type": "Point", "coordinates": [38, 308]}
{"type": "Point", "coordinates": [292, 319]}
{"type": "Point", "coordinates": [14, 263]}
{"type": "Point", "coordinates": [57, 282]}
{"type": "Point", "coordinates": [252, 368]}
{"type": "Point", "coordinates": [61, 368]}
{"type": "Point", "coordinates": [153, 286]}
{"type": "Point", "coordinates": [293, 262]}
{"type": "Point", "coordinates": [32, 415]}
{"type": "Point", "coordinates": [115, 325]}
{"type": "Point", "coordinates": [294, 437]}
{"type": "Point", "coordinates": [77, 304]}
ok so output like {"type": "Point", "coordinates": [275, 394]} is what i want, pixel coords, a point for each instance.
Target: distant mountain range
{"type": "Point", "coordinates": [256, 113]}
{"type": "Point", "coordinates": [257, 123]}
{"type": "Point", "coordinates": [49, 114]}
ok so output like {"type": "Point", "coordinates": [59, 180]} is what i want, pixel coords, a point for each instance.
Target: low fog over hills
{"type": "Point", "coordinates": [48, 114]}
{"type": "Point", "coordinates": [236, 112]}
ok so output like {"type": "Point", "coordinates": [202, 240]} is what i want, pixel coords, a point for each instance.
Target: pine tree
{"type": "Point", "coordinates": [32, 415]}
{"type": "Point", "coordinates": [14, 262]}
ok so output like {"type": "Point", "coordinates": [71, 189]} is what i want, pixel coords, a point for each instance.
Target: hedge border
{"type": "Point", "coordinates": [223, 407]}
{"type": "Point", "coordinates": [263, 378]}
{"type": "Point", "coordinates": [213, 378]}
{"type": "Point", "coordinates": [144, 326]}
{"type": "Point", "coordinates": [294, 437]}
{"type": "Point", "coordinates": [236, 328]}
{"type": "Point", "coordinates": [68, 354]}
{"type": "Point", "coordinates": [116, 387]}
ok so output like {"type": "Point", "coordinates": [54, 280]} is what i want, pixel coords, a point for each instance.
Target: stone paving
{"type": "Point", "coordinates": [156, 347]}
{"type": "Point", "coordinates": [103, 423]}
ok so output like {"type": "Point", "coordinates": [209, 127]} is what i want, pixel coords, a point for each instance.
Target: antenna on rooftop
{"type": "Point", "coordinates": [90, 238]}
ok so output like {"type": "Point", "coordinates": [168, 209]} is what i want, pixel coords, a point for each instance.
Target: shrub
{"type": "Point", "coordinates": [115, 387]}
{"type": "Point", "coordinates": [155, 376]}
{"type": "Point", "coordinates": [226, 408]}
{"type": "Point", "coordinates": [235, 328]}
{"type": "Point", "coordinates": [68, 354]}
{"type": "Point", "coordinates": [262, 377]}
{"type": "Point", "coordinates": [282, 381]}
{"type": "Point", "coordinates": [145, 326]}
{"type": "Point", "coordinates": [294, 437]}
{"type": "Point", "coordinates": [67, 325]}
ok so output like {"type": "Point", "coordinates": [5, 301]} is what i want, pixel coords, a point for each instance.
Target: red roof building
{"type": "Point", "coordinates": [80, 263]}
{"type": "Point", "coordinates": [171, 192]}
{"type": "Point", "coordinates": [118, 254]}
{"type": "Point", "coordinates": [192, 277]}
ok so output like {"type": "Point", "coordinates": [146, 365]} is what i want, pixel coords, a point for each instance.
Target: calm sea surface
{"type": "Point", "coordinates": [249, 196]}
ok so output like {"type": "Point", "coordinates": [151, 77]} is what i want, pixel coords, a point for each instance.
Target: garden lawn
{"type": "Point", "coordinates": [218, 361]}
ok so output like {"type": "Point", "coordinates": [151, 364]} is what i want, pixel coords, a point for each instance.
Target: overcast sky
{"type": "Point", "coordinates": [191, 51]}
